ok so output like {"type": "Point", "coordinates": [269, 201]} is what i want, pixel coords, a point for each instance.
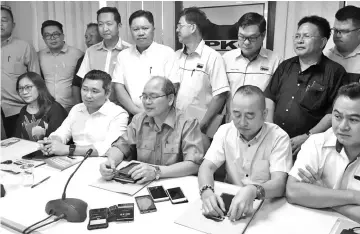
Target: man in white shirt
{"type": "Point", "coordinates": [203, 82]}
{"type": "Point", "coordinates": [137, 64]}
{"type": "Point", "coordinates": [346, 36]}
{"type": "Point", "coordinates": [326, 173]}
{"type": "Point", "coordinates": [256, 154]}
{"type": "Point", "coordinates": [96, 123]}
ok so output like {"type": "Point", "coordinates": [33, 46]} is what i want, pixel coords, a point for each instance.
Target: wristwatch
{"type": "Point", "coordinates": [71, 150]}
{"type": "Point", "coordinates": [260, 192]}
{"type": "Point", "coordinates": [157, 172]}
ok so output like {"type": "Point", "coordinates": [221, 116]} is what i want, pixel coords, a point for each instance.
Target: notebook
{"type": "Point", "coordinates": [342, 226]}
{"type": "Point", "coordinates": [62, 162]}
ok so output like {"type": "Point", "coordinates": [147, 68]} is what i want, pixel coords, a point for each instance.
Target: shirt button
{"type": "Point", "coordinates": [286, 110]}
{"type": "Point", "coordinates": [249, 145]}
{"type": "Point", "coordinates": [292, 97]}
{"type": "Point", "coordinates": [247, 175]}
{"type": "Point", "coordinates": [298, 84]}
{"type": "Point", "coordinates": [283, 123]}
{"type": "Point", "coordinates": [158, 145]}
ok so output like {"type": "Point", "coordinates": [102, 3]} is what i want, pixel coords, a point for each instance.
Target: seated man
{"type": "Point", "coordinates": [257, 157]}
{"type": "Point", "coordinates": [95, 123]}
{"type": "Point", "coordinates": [327, 170]}
{"type": "Point", "coordinates": [161, 136]}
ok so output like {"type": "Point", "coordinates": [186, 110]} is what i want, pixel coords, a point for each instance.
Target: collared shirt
{"type": "Point", "coordinates": [98, 57]}
{"type": "Point", "coordinates": [178, 139]}
{"type": "Point", "coordinates": [249, 162]}
{"type": "Point", "coordinates": [302, 98]}
{"type": "Point", "coordinates": [99, 129]}
{"type": "Point", "coordinates": [17, 57]}
{"type": "Point", "coordinates": [258, 72]}
{"type": "Point", "coordinates": [58, 71]}
{"type": "Point", "coordinates": [202, 76]}
{"type": "Point", "coordinates": [133, 69]}
{"type": "Point", "coordinates": [351, 62]}
{"type": "Point", "coordinates": [77, 80]}
{"type": "Point", "coordinates": [326, 156]}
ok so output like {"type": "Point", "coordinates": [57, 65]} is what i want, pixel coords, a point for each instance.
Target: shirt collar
{"type": "Point", "coordinates": [119, 45]}
{"type": "Point", "coordinates": [317, 65]}
{"type": "Point", "coordinates": [105, 109]}
{"type": "Point", "coordinates": [198, 50]}
{"type": "Point", "coordinates": [256, 138]}
{"type": "Point", "coordinates": [149, 49]}
{"type": "Point", "coordinates": [64, 49]}
{"type": "Point", "coordinates": [170, 119]}
{"type": "Point", "coordinates": [332, 141]}
{"type": "Point", "coordinates": [263, 53]}
{"type": "Point", "coordinates": [334, 50]}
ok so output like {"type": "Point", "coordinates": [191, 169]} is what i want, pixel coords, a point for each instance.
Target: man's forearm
{"type": "Point", "coordinates": [323, 125]}
{"type": "Point", "coordinates": [274, 187]}
{"type": "Point", "coordinates": [350, 211]}
{"type": "Point", "coordinates": [206, 175]}
{"type": "Point", "coordinates": [124, 98]}
{"type": "Point", "coordinates": [115, 154]}
{"type": "Point", "coordinates": [81, 150]}
{"type": "Point", "coordinates": [317, 197]}
{"type": "Point", "coordinates": [216, 105]}
{"type": "Point", "coordinates": [179, 169]}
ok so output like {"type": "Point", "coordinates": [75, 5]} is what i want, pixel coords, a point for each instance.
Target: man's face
{"type": "Point", "coordinates": [346, 121]}
{"type": "Point", "coordinates": [155, 102]}
{"type": "Point", "coordinates": [108, 28]}
{"type": "Point", "coordinates": [248, 114]}
{"type": "Point", "coordinates": [7, 24]}
{"type": "Point", "coordinates": [93, 94]}
{"type": "Point", "coordinates": [184, 30]}
{"type": "Point", "coordinates": [92, 36]}
{"type": "Point", "coordinates": [53, 37]}
{"type": "Point", "coordinates": [142, 32]}
{"type": "Point", "coordinates": [307, 40]}
{"type": "Point", "coordinates": [346, 40]}
{"type": "Point", "coordinates": [253, 42]}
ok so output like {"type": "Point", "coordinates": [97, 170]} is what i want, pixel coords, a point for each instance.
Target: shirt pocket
{"type": "Point", "coordinates": [260, 172]}
{"type": "Point", "coordinates": [314, 97]}
{"type": "Point", "coordinates": [171, 154]}
{"type": "Point", "coordinates": [145, 150]}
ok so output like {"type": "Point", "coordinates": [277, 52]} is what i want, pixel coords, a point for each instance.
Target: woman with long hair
{"type": "Point", "coordinates": [42, 114]}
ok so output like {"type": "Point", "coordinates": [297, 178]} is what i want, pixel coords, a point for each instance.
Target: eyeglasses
{"type": "Point", "coordinates": [179, 26]}
{"type": "Point", "coordinates": [55, 35]}
{"type": "Point", "coordinates": [305, 37]}
{"type": "Point", "coordinates": [343, 32]}
{"type": "Point", "coordinates": [26, 88]}
{"type": "Point", "coordinates": [151, 98]}
{"type": "Point", "coordinates": [250, 39]}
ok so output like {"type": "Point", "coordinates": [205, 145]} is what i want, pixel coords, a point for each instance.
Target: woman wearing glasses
{"type": "Point", "coordinates": [42, 114]}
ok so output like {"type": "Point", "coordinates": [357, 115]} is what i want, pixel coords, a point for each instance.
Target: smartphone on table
{"type": "Point", "coordinates": [98, 218]}
{"type": "Point", "coordinates": [176, 195]}
{"type": "Point", "coordinates": [145, 204]}
{"type": "Point", "coordinates": [158, 193]}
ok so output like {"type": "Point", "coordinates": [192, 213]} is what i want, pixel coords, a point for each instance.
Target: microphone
{"type": "Point", "coordinates": [73, 209]}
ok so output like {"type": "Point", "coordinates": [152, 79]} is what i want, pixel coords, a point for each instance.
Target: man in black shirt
{"type": "Point", "coordinates": [302, 90]}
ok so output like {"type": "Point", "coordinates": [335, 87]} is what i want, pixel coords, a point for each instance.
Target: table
{"type": "Point", "coordinates": [27, 207]}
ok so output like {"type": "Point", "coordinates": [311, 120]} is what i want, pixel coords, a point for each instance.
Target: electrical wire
{"type": "Point", "coordinates": [24, 231]}
{"type": "Point", "coordinates": [45, 224]}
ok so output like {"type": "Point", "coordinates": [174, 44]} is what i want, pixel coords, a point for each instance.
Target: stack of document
{"type": "Point", "coordinates": [62, 162]}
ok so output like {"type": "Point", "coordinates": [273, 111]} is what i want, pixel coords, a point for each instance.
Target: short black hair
{"type": "Point", "coordinates": [92, 25]}
{"type": "Point", "coordinates": [349, 12]}
{"type": "Point", "coordinates": [253, 18]}
{"type": "Point", "coordinates": [51, 23]}
{"type": "Point", "coordinates": [8, 9]}
{"type": "Point", "coordinates": [113, 10]}
{"type": "Point", "coordinates": [196, 16]}
{"type": "Point", "coordinates": [252, 90]}
{"type": "Point", "coordinates": [141, 13]}
{"type": "Point", "coordinates": [351, 91]}
{"type": "Point", "coordinates": [100, 75]}
{"type": "Point", "coordinates": [321, 23]}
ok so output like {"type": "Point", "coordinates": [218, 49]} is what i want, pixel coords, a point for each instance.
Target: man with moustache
{"type": "Point", "coordinates": [92, 37]}
{"type": "Point", "coordinates": [103, 56]}
{"type": "Point", "coordinates": [327, 171]}
{"type": "Point", "coordinates": [165, 142]}
{"type": "Point", "coordinates": [346, 35]}
{"type": "Point", "coordinates": [57, 63]}
{"type": "Point", "coordinates": [301, 93]}
{"type": "Point", "coordinates": [137, 64]}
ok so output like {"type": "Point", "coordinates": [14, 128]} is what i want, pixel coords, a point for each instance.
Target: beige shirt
{"type": "Point", "coordinates": [249, 162]}
{"type": "Point", "coordinates": [17, 57]}
{"type": "Point", "coordinates": [58, 71]}
{"type": "Point", "coordinates": [202, 76]}
{"type": "Point", "coordinates": [98, 57]}
{"type": "Point", "coordinates": [351, 63]}
{"type": "Point", "coordinates": [178, 139]}
{"type": "Point", "coordinates": [325, 155]}
{"type": "Point", "coordinates": [133, 69]}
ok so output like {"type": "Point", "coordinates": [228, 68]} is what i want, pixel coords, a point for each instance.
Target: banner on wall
{"type": "Point", "coordinates": [222, 32]}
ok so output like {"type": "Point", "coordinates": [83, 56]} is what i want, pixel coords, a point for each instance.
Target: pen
{"type": "Point", "coordinates": [150, 70]}
{"type": "Point", "coordinates": [40, 164]}
{"type": "Point", "coordinates": [357, 177]}
{"type": "Point", "coordinates": [40, 182]}
{"type": "Point", "coordinates": [192, 72]}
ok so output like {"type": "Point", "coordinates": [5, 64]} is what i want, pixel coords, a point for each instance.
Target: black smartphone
{"type": "Point", "coordinates": [146, 204]}
{"type": "Point", "coordinates": [98, 218]}
{"type": "Point", "coordinates": [227, 198]}
{"type": "Point", "coordinates": [158, 193]}
{"type": "Point", "coordinates": [124, 179]}
{"type": "Point", "coordinates": [176, 195]}
{"type": "Point", "coordinates": [125, 170]}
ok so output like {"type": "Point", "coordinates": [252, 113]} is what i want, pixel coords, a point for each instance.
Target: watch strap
{"type": "Point", "coordinates": [72, 148]}
{"type": "Point", "coordinates": [260, 192]}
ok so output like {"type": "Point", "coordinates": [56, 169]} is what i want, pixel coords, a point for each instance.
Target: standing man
{"type": "Point", "coordinates": [137, 64]}
{"type": "Point", "coordinates": [17, 57]}
{"type": "Point", "coordinates": [203, 81]}
{"type": "Point", "coordinates": [103, 56]}
{"type": "Point", "coordinates": [57, 63]}
{"type": "Point", "coordinates": [300, 95]}
{"type": "Point", "coordinates": [346, 35]}
{"type": "Point", "coordinates": [92, 37]}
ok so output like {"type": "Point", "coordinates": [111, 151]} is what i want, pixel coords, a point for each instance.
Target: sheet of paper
{"type": "Point", "coordinates": [342, 224]}
{"type": "Point", "coordinates": [14, 148]}
{"type": "Point", "coordinates": [194, 219]}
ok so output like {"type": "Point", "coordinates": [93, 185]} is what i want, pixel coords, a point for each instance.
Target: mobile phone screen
{"type": "Point", "coordinates": [176, 193]}
{"type": "Point", "coordinates": [125, 170]}
{"type": "Point", "coordinates": [227, 198]}
{"type": "Point", "coordinates": [157, 192]}
{"type": "Point", "coordinates": [97, 221]}
{"type": "Point", "coordinates": [145, 203]}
